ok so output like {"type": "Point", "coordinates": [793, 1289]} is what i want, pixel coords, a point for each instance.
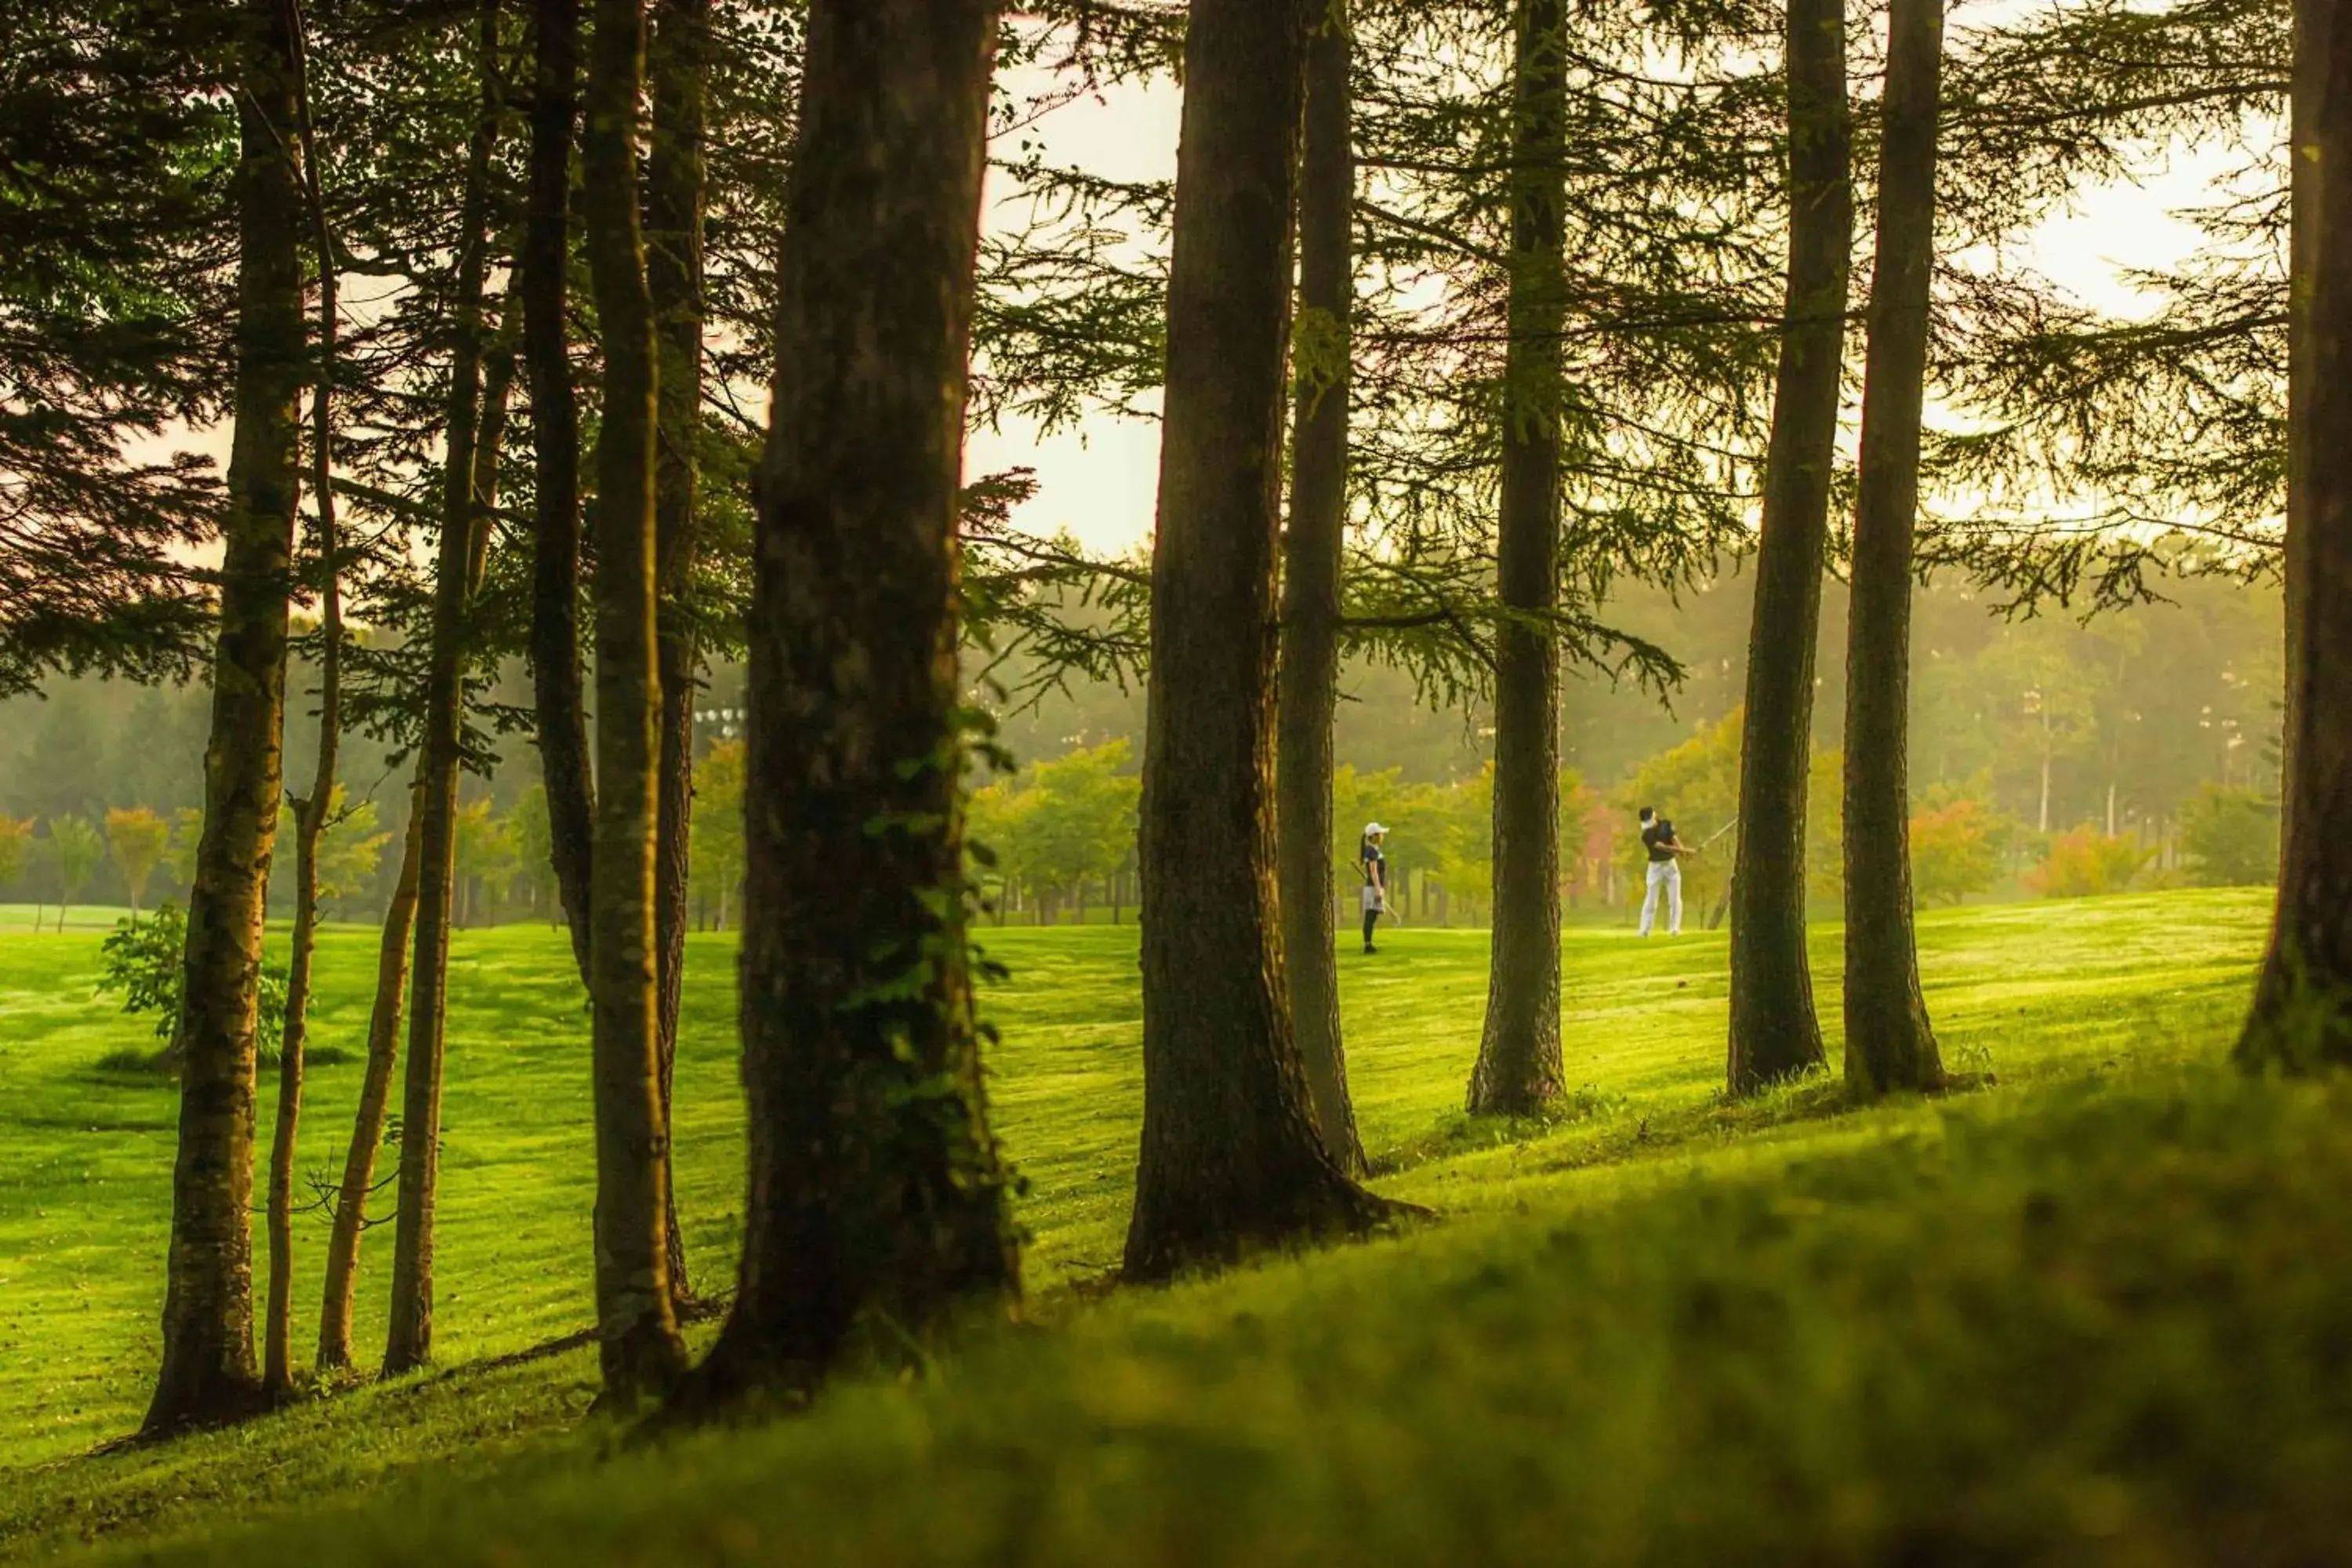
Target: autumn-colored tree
{"type": "Point", "coordinates": [136, 837]}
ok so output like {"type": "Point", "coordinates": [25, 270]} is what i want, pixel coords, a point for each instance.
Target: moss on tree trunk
{"type": "Point", "coordinates": [876, 1209]}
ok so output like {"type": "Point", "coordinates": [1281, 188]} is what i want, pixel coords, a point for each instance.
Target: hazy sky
{"type": "Point", "coordinates": [1100, 482]}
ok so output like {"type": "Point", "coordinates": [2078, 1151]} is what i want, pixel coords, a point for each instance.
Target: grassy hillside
{"type": "Point", "coordinates": [1487, 1357]}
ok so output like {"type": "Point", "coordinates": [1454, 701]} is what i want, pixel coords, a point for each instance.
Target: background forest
{"type": "Point", "coordinates": [2058, 756]}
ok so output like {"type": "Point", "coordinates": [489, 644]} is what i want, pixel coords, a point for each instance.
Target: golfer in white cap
{"type": "Point", "coordinates": [1375, 867]}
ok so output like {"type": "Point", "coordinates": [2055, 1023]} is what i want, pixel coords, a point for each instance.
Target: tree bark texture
{"type": "Point", "coordinates": [1774, 1030]}
{"type": "Point", "coordinates": [1519, 1066]}
{"type": "Point", "coordinates": [1231, 1157]}
{"type": "Point", "coordinates": [1308, 700]}
{"type": "Point", "coordinates": [408, 1343]}
{"type": "Point", "coordinates": [876, 1209]}
{"type": "Point", "coordinates": [375, 1096]}
{"type": "Point", "coordinates": [679, 64]}
{"type": "Point", "coordinates": [2302, 1016]}
{"type": "Point", "coordinates": [1889, 1042]}
{"type": "Point", "coordinates": [542, 273]}
{"type": "Point", "coordinates": [636, 1328]}
{"type": "Point", "coordinates": [208, 1373]}
{"type": "Point", "coordinates": [310, 810]}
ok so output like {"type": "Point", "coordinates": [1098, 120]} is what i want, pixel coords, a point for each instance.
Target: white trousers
{"type": "Point", "coordinates": [1666, 874]}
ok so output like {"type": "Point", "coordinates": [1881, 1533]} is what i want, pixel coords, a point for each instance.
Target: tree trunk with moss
{"type": "Point", "coordinates": [877, 1210]}
{"type": "Point", "coordinates": [1231, 1157]}
{"type": "Point", "coordinates": [2302, 1017]}
{"type": "Point", "coordinates": [207, 1373]}
{"type": "Point", "coordinates": [408, 1343]}
{"type": "Point", "coordinates": [636, 1328]}
{"type": "Point", "coordinates": [1518, 1067]}
{"type": "Point", "coordinates": [679, 63]}
{"type": "Point", "coordinates": [1775, 1033]}
{"type": "Point", "coordinates": [1312, 551]}
{"type": "Point", "coordinates": [1890, 1045]}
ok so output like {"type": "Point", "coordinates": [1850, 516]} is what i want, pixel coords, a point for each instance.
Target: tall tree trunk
{"type": "Point", "coordinates": [207, 1373]}
{"type": "Point", "coordinates": [1774, 1031]}
{"type": "Point", "coordinates": [1519, 1064]}
{"type": "Point", "coordinates": [679, 63]}
{"type": "Point", "coordinates": [1889, 1042]}
{"type": "Point", "coordinates": [560, 716]}
{"type": "Point", "coordinates": [2302, 1016]}
{"type": "Point", "coordinates": [399, 924]}
{"type": "Point", "coordinates": [635, 1327]}
{"type": "Point", "coordinates": [409, 1342]}
{"type": "Point", "coordinates": [878, 1204]}
{"type": "Point", "coordinates": [1308, 699]}
{"type": "Point", "coordinates": [375, 1096]}
{"type": "Point", "coordinates": [1231, 1156]}
{"type": "Point", "coordinates": [2303, 235]}
{"type": "Point", "coordinates": [310, 811]}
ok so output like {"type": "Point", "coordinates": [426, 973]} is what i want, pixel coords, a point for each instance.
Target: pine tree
{"type": "Point", "coordinates": [877, 1205]}
{"type": "Point", "coordinates": [1889, 1043]}
{"type": "Point", "coordinates": [1774, 1032]}
{"type": "Point", "coordinates": [2302, 1017]}
{"type": "Point", "coordinates": [1231, 1155]}
{"type": "Point", "coordinates": [207, 1373]}
{"type": "Point", "coordinates": [1314, 549]}
{"type": "Point", "coordinates": [1519, 1066]}
{"type": "Point", "coordinates": [312, 809]}
{"type": "Point", "coordinates": [542, 282]}
{"type": "Point", "coordinates": [409, 1340]}
{"type": "Point", "coordinates": [676, 202]}
{"type": "Point", "coordinates": [637, 1329]}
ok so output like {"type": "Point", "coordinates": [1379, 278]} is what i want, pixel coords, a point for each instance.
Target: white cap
{"type": "Point", "coordinates": [1372, 827]}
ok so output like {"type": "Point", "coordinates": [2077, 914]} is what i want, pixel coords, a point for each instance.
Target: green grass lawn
{"type": "Point", "coordinates": [1751, 1310]}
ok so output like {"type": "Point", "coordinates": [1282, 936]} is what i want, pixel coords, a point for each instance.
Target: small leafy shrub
{"type": "Point", "coordinates": [2231, 834]}
{"type": "Point", "coordinates": [2084, 863]}
{"type": "Point", "coordinates": [141, 959]}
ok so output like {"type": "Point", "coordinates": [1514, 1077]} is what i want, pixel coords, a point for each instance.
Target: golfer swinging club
{"type": "Point", "coordinates": [1666, 852]}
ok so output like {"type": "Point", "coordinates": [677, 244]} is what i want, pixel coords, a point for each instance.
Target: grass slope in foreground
{"type": "Point", "coordinates": [2050, 993]}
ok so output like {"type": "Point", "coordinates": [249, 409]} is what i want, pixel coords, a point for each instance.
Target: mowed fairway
{"type": "Point", "coordinates": [2027, 992]}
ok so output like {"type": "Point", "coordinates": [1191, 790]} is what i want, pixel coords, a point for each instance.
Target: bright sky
{"type": "Point", "coordinates": [1100, 482]}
